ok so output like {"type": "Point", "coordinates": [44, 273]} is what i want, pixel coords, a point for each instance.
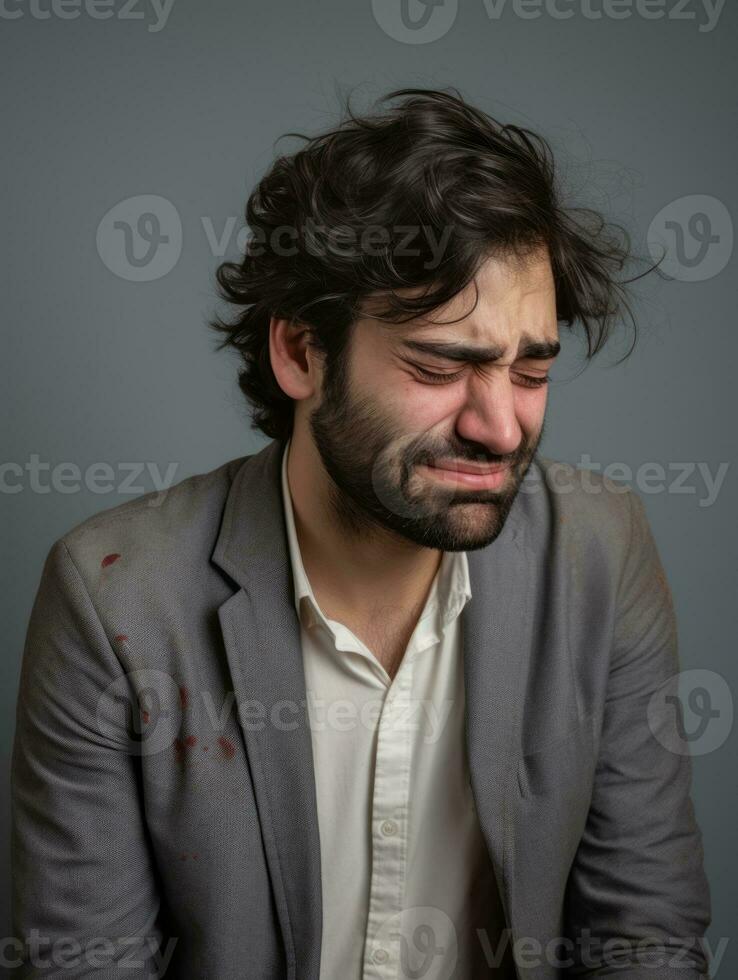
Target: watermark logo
{"type": "Point", "coordinates": [415, 21]}
{"type": "Point", "coordinates": [692, 712]}
{"type": "Point", "coordinates": [695, 234]}
{"type": "Point", "coordinates": [140, 238]}
{"type": "Point", "coordinates": [424, 21]}
{"type": "Point", "coordinates": [419, 942]}
{"type": "Point", "coordinates": [144, 709]}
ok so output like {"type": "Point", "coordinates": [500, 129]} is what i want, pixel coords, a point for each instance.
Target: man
{"type": "Point", "coordinates": [384, 699]}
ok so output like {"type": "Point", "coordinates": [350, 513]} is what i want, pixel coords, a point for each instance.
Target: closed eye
{"type": "Point", "coordinates": [525, 380]}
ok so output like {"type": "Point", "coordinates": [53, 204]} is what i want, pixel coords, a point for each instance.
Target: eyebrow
{"type": "Point", "coordinates": [528, 348]}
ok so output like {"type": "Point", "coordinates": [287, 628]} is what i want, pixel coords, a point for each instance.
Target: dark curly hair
{"type": "Point", "coordinates": [427, 170]}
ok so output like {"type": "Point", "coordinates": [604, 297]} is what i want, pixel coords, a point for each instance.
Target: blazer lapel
{"type": "Point", "coordinates": [261, 633]}
{"type": "Point", "coordinates": [496, 636]}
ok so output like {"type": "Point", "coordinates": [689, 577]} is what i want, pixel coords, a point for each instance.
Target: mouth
{"type": "Point", "coordinates": [488, 477]}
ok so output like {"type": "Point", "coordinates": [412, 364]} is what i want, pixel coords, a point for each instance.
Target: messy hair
{"type": "Point", "coordinates": [415, 197]}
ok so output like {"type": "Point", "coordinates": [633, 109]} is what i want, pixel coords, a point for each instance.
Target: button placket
{"type": "Point", "coordinates": [389, 826]}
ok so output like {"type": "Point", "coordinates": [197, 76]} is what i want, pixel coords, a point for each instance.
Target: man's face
{"type": "Point", "coordinates": [384, 421]}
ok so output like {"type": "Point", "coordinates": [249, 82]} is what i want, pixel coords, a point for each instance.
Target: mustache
{"type": "Point", "coordinates": [484, 458]}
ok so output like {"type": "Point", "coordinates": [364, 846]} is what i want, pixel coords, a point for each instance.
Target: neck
{"type": "Point", "coordinates": [361, 573]}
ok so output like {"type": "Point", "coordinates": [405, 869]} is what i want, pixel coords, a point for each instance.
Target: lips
{"type": "Point", "coordinates": [474, 469]}
{"type": "Point", "coordinates": [473, 477]}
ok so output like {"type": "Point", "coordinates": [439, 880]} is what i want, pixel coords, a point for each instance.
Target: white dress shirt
{"type": "Point", "coordinates": [406, 877]}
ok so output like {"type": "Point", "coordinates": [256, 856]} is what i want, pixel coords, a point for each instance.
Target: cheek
{"type": "Point", "coordinates": [530, 407]}
{"type": "Point", "coordinates": [420, 407]}
{"type": "Point", "coordinates": [423, 406]}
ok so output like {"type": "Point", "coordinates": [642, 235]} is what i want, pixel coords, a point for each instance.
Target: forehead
{"type": "Point", "coordinates": [509, 300]}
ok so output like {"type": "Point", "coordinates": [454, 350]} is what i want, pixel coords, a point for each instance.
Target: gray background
{"type": "Point", "coordinates": [99, 368]}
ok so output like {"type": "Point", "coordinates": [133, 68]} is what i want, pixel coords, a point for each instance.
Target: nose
{"type": "Point", "coordinates": [489, 416]}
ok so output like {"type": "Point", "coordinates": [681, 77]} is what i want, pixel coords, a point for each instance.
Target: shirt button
{"type": "Point", "coordinates": [388, 828]}
{"type": "Point", "coordinates": [380, 955]}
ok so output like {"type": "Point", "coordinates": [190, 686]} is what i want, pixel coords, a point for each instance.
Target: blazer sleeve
{"type": "Point", "coordinates": [85, 902]}
{"type": "Point", "coordinates": [637, 884]}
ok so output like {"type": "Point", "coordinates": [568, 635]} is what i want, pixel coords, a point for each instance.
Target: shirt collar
{"type": "Point", "coordinates": [450, 591]}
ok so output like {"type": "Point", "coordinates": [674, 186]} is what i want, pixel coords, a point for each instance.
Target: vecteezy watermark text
{"type": "Point", "coordinates": [94, 9]}
{"type": "Point", "coordinates": [702, 479]}
{"type": "Point", "coordinates": [690, 714]}
{"type": "Point", "coordinates": [134, 953]}
{"type": "Point", "coordinates": [689, 10]}
{"type": "Point", "coordinates": [140, 238]}
{"type": "Point", "coordinates": [40, 476]}
{"type": "Point", "coordinates": [426, 21]}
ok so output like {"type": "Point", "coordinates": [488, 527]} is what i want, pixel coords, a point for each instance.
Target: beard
{"type": "Point", "coordinates": [374, 483]}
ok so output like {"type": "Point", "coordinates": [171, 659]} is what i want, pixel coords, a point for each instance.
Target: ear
{"type": "Point", "coordinates": [294, 362]}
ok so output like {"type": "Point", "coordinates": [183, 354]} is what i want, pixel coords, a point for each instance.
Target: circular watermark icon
{"type": "Point", "coordinates": [695, 236]}
{"type": "Point", "coordinates": [415, 21]}
{"type": "Point", "coordinates": [692, 712]}
{"type": "Point", "coordinates": [140, 238]}
{"type": "Point", "coordinates": [420, 941]}
{"type": "Point", "coordinates": [142, 709]}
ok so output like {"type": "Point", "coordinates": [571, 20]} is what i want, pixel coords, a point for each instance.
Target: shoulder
{"type": "Point", "coordinates": [156, 535]}
{"type": "Point", "coordinates": [588, 493]}
{"type": "Point", "coordinates": [590, 515]}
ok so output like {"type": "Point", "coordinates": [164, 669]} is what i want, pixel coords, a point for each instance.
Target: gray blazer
{"type": "Point", "coordinates": [164, 811]}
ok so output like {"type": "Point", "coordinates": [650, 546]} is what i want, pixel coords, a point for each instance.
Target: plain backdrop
{"type": "Point", "coordinates": [102, 365]}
